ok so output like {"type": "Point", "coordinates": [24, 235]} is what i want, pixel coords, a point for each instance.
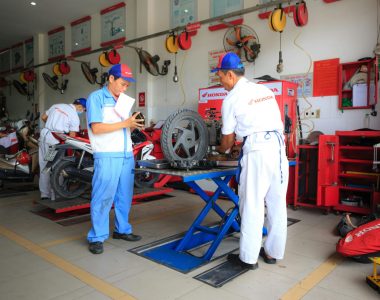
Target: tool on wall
{"type": "Point", "coordinates": [175, 76]}
{"type": "Point", "coordinates": [108, 58]}
{"type": "Point", "coordinates": [171, 43]}
{"type": "Point", "coordinates": [280, 66]}
{"type": "Point", "coordinates": [277, 23]}
{"type": "Point", "coordinates": [172, 46]}
{"type": "Point", "coordinates": [184, 40]}
{"type": "Point", "coordinates": [300, 14]}
{"type": "Point", "coordinates": [60, 70]}
{"type": "Point", "coordinates": [26, 84]}
{"type": "Point", "coordinates": [242, 40]}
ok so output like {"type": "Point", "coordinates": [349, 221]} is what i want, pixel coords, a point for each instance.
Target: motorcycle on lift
{"type": "Point", "coordinates": [21, 166]}
{"type": "Point", "coordinates": [72, 166]}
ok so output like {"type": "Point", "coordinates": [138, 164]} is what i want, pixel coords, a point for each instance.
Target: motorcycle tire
{"type": "Point", "coordinates": [145, 179]}
{"type": "Point", "coordinates": [64, 186]}
{"type": "Point", "coordinates": [184, 136]}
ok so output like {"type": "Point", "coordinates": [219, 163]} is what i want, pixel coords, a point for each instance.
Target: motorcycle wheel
{"type": "Point", "coordinates": [184, 136]}
{"type": "Point", "coordinates": [63, 185]}
{"type": "Point", "coordinates": [145, 179]}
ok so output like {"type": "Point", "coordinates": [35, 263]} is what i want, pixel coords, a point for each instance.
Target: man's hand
{"type": "Point", "coordinates": [135, 121]}
{"type": "Point", "coordinates": [132, 122]}
{"type": "Point", "coordinates": [226, 143]}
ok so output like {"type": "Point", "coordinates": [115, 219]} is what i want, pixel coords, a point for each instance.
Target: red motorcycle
{"type": "Point", "coordinates": [72, 166]}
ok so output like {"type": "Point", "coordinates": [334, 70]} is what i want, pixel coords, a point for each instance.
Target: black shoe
{"type": "Point", "coordinates": [126, 236]}
{"type": "Point", "coordinates": [235, 259]}
{"type": "Point", "coordinates": [96, 247]}
{"type": "Point", "coordinates": [45, 199]}
{"type": "Point", "coordinates": [267, 259]}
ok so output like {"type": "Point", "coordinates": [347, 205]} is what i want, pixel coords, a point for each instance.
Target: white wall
{"type": "Point", "coordinates": [343, 29]}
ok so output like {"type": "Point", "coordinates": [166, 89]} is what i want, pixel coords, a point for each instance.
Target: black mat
{"type": "Point", "coordinates": [225, 272]}
{"type": "Point", "coordinates": [221, 274]}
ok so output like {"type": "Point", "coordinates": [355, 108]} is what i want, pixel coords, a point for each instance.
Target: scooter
{"type": "Point", "coordinates": [72, 166]}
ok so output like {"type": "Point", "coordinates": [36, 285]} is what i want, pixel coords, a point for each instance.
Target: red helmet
{"type": "Point", "coordinates": [23, 158]}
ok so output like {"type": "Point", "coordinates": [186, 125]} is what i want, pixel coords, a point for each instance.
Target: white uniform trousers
{"type": "Point", "coordinates": [44, 181]}
{"type": "Point", "coordinates": [263, 180]}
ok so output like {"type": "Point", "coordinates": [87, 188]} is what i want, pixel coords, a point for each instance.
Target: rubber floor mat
{"type": "Point", "coordinates": [221, 274]}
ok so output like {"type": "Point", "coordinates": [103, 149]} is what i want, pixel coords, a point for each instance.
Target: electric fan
{"type": "Point", "coordinates": [242, 40]}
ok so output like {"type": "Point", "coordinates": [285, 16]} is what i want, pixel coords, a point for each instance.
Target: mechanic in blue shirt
{"type": "Point", "coordinates": [114, 163]}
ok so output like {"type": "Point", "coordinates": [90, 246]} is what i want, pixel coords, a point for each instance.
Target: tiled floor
{"type": "Point", "coordinates": [41, 259]}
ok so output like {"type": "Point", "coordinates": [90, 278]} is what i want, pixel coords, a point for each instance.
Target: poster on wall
{"type": "Point", "coordinates": [304, 82]}
{"type": "Point", "coordinates": [56, 43]}
{"type": "Point", "coordinates": [183, 12]}
{"type": "Point", "coordinates": [325, 81]}
{"type": "Point", "coordinates": [5, 62]}
{"type": "Point", "coordinates": [222, 7]}
{"type": "Point", "coordinates": [113, 25]}
{"type": "Point", "coordinates": [17, 56]}
{"type": "Point", "coordinates": [29, 52]}
{"type": "Point", "coordinates": [81, 35]}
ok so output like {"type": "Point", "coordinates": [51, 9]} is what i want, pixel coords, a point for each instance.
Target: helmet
{"type": "Point", "coordinates": [80, 101]}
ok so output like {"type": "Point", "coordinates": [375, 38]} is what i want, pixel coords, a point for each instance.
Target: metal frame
{"type": "Point", "coordinates": [198, 234]}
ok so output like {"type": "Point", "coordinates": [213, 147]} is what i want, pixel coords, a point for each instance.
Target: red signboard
{"type": "Point", "coordinates": [142, 99]}
{"type": "Point", "coordinates": [325, 81]}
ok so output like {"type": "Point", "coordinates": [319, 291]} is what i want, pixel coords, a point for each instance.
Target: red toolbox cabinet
{"type": "Point", "coordinates": [358, 176]}
{"type": "Point", "coordinates": [340, 173]}
{"type": "Point", "coordinates": [316, 180]}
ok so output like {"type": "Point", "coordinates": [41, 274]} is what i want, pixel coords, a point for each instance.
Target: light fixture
{"type": "Point", "coordinates": [33, 3]}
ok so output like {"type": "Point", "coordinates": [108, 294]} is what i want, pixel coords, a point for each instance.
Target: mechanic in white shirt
{"type": "Point", "coordinates": [109, 130]}
{"type": "Point", "coordinates": [62, 118]}
{"type": "Point", "coordinates": [251, 111]}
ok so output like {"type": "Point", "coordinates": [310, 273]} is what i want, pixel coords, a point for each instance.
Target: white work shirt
{"type": "Point", "coordinates": [101, 109]}
{"type": "Point", "coordinates": [62, 118]}
{"type": "Point", "coordinates": [251, 110]}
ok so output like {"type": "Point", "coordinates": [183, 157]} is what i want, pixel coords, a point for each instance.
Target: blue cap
{"type": "Point", "coordinates": [80, 101]}
{"type": "Point", "coordinates": [122, 71]}
{"type": "Point", "coordinates": [228, 61]}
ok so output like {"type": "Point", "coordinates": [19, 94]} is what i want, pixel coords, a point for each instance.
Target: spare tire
{"type": "Point", "coordinates": [184, 136]}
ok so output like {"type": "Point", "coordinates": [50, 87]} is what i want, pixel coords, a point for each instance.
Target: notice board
{"type": "Point", "coordinates": [325, 80]}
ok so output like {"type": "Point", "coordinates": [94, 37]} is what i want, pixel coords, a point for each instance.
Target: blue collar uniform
{"type": "Point", "coordinates": [114, 164]}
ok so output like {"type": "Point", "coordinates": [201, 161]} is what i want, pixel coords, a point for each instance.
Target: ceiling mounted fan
{"type": "Point", "coordinates": [150, 62]}
{"type": "Point", "coordinates": [20, 87]}
{"type": "Point", "coordinates": [91, 74]}
{"type": "Point", "coordinates": [52, 82]}
{"type": "Point", "coordinates": [25, 86]}
{"type": "Point", "coordinates": [242, 40]}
